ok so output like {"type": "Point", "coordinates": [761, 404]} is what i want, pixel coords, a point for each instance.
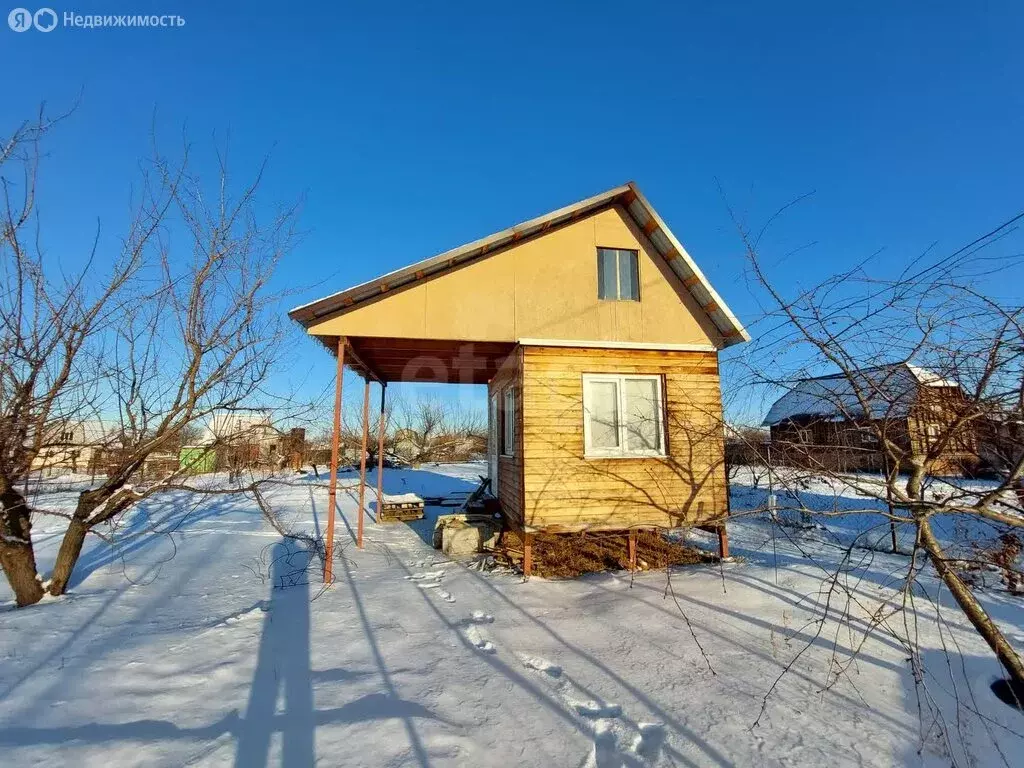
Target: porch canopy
{"type": "Point", "coordinates": [429, 361]}
{"type": "Point", "coordinates": [391, 359]}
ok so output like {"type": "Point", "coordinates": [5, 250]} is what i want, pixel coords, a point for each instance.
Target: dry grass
{"type": "Point", "coordinates": [566, 556]}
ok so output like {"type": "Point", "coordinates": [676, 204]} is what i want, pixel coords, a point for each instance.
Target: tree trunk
{"type": "Point", "coordinates": [17, 557]}
{"type": "Point", "coordinates": [915, 481]}
{"type": "Point", "coordinates": [67, 556]}
{"type": "Point", "coordinates": [971, 607]}
{"type": "Point", "coordinates": [19, 565]}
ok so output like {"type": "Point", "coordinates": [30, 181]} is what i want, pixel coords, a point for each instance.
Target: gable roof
{"type": "Point", "coordinates": [888, 391]}
{"type": "Point", "coordinates": [627, 195]}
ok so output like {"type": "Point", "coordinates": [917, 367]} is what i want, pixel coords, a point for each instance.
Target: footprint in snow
{"type": "Point", "coordinates": [428, 584]}
{"type": "Point", "coordinates": [541, 665]}
{"type": "Point", "coordinates": [649, 741]}
{"type": "Point", "coordinates": [426, 575]}
{"type": "Point", "coordinates": [479, 617]}
{"type": "Point", "coordinates": [446, 596]}
{"type": "Point", "coordinates": [262, 606]}
{"type": "Point", "coordinates": [595, 709]}
{"type": "Point", "coordinates": [647, 744]}
{"type": "Point", "coordinates": [479, 641]}
{"type": "Point", "coordinates": [605, 754]}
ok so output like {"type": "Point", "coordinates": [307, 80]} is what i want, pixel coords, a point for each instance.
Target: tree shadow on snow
{"type": "Point", "coordinates": [282, 668]}
{"type": "Point", "coordinates": [859, 521]}
{"type": "Point", "coordinates": [283, 672]}
{"type": "Point", "coordinates": [423, 482]}
{"type": "Point", "coordinates": [963, 722]}
{"type": "Point", "coordinates": [149, 526]}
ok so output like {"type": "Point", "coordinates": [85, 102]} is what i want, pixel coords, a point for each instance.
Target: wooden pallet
{"type": "Point", "coordinates": [400, 511]}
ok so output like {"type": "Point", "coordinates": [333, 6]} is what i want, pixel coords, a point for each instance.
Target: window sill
{"type": "Point", "coordinates": [637, 455]}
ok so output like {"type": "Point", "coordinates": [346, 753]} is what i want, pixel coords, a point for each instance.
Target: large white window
{"type": "Point", "coordinates": [508, 417]}
{"type": "Point", "coordinates": [623, 415]}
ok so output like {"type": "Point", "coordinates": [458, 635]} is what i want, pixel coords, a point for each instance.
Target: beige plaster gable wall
{"type": "Point", "coordinates": [543, 288]}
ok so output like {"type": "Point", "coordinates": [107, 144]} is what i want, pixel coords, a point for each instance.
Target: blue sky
{"type": "Point", "coordinates": [411, 128]}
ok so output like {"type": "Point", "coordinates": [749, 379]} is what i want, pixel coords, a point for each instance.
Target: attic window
{"type": "Point", "coordinates": [618, 275]}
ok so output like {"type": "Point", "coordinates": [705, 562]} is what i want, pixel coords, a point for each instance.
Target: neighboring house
{"type": "Point", "coordinates": [597, 336]}
{"type": "Point", "coordinates": [1000, 440]}
{"type": "Point", "coordinates": [408, 444]}
{"type": "Point", "coordinates": [823, 422]}
{"type": "Point", "coordinates": [251, 432]}
{"type": "Point", "coordinates": [73, 446]}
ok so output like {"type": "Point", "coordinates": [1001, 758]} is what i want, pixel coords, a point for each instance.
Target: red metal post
{"type": "Point", "coordinates": [380, 452]}
{"type": "Point", "coordinates": [332, 491]}
{"type": "Point", "coordinates": [723, 542]}
{"type": "Point", "coordinates": [362, 461]}
{"type": "Point", "coordinates": [527, 555]}
{"type": "Point", "coordinates": [632, 549]}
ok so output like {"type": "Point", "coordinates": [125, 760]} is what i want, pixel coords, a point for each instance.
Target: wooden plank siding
{"type": "Point", "coordinates": [828, 443]}
{"type": "Point", "coordinates": [564, 490]}
{"type": "Point", "coordinates": [510, 468]}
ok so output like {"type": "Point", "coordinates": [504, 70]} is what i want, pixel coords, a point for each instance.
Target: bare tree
{"type": "Point", "coordinates": [746, 447]}
{"type": "Point", "coordinates": [429, 429]}
{"type": "Point", "coordinates": [922, 423]}
{"type": "Point", "coordinates": [50, 323]}
{"type": "Point", "coordinates": [182, 330]}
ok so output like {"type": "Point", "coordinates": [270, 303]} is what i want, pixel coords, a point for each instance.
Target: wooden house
{"type": "Point", "coordinates": [835, 422]}
{"type": "Point", "coordinates": [598, 338]}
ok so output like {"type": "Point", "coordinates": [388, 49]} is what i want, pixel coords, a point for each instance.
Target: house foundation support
{"type": "Point", "coordinates": [723, 537]}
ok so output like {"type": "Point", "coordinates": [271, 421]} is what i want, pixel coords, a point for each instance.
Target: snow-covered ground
{"type": "Point", "coordinates": [212, 643]}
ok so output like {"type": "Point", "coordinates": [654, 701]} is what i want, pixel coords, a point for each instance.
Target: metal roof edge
{"type": "Point", "coordinates": [740, 334]}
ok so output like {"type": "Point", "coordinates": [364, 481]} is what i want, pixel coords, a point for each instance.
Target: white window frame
{"type": "Point", "coordinates": [508, 422]}
{"type": "Point", "coordinates": [868, 437]}
{"type": "Point", "coordinates": [622, 452]}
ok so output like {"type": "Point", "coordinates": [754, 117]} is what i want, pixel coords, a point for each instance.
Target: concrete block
{"type": "Point", "coordinates": [461, 540]}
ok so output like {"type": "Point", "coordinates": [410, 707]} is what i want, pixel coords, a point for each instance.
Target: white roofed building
{"type": "Point", "coordinates": [836, 421]}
